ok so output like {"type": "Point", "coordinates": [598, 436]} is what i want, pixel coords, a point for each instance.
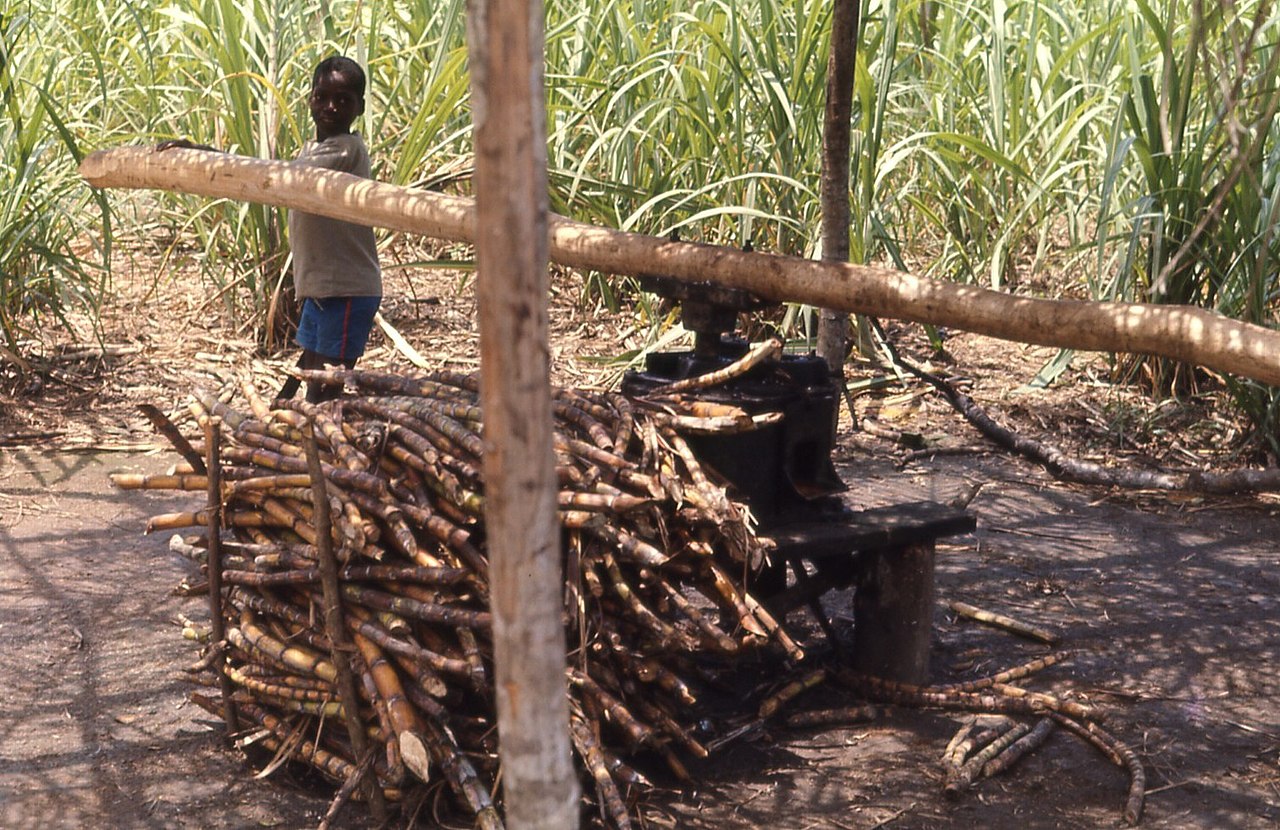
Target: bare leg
{"type": "Point", "coordinates": [321, 392]}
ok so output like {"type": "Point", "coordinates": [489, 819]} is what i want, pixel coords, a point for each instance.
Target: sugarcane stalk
{"type": "Point", "coordinates": [475, 660]}
{"type": "Point", "coordinates": [403, 717]}
{"type": "Point", "coordinates": [609, 800]}
{"type": "Point", "coordinates": [279, 690]}
{"type": "Point", "coordinates": [1006, 676]}
{"type": "Point", "coordinates": [628, 545]}
{"type": "Point", "coordinates": [409, 649]}
{"type": "Point", "coordinates": [960, 745]}
{"type": "Point", "coordinates": [623, 772]}
{"type": "Point", "coordinates": [1019, 748]}
{"type": "Point", "coordinates": [248, 636]}
{"type": "Point", "coordinates": [1047, 701]}
{"type": "Point", "coordinates": [170, 431]}
{"type": "Point", "coordinates": [454, 538]}
{"type": "Point", "coordinates": [906, 694]}
{"type": "Point", "coordinates": [329, 763]}
{"type": "Point", "coordinates": [774, 702]}
{"type": "Point", "coordinates": [652, 671]}
{"type": "Point", "coordinates": [449, 615]}
{"type": "Point", "coordinates": [651, 709]}
{"type": "Point", "coordinates": [1004, 622]}
{"type": "Point", "coordinates": [346, 791]}
{"type": "Point", "coordinates": [572, 414]}
{"type": "Point", "coordinates": [457, 770]}
{"type": "Point", "coordinates": [271, 483]}
{"type": "Point", "coordinates": [756, 355]}
{"type": "Point", "coordinates": [665, 633]}
{"type": "Point", "coordinates": [959, 780]}
{"type": "Point", "coordinates": [837, 716]}
{"type": "Point", "coordinates": [155, 481]}
{"type": "Point", "coordinates": [385, 730]}
{"type": "Point", "coordinates": [637, 733]}
{"type": "Point", "coordinates": [1118, 754]}
{"type": "Point", "coordinates": [728, 593]}
{"type": "Point", "coordinates": [712, 635]}
{"type": "Point", "coordinates": [399, 534]}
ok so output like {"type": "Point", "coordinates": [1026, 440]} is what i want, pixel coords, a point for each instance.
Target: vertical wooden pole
{"type": "Point", "coordinates": [505, 42]}
{"type": "Point", "coordinates": [217, 628]}
{"type": "Point", "coordinates": [833, 325]}
{"type": "Point", "coordinates": [336, 627]}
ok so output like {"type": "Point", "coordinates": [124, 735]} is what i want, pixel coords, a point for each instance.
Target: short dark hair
{"type": "Point", "coordinates": [343, 65]}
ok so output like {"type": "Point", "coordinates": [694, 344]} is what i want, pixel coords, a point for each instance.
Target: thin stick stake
{"type": "Point", "coordinates": [334, 625]}
{"type": "Point", "coordinates": [218, 632]}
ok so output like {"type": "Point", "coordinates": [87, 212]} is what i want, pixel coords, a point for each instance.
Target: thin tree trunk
{"type": "Point", "coordinates": [539, 785]}
{"type": "Point", "coordinates": [833, 325]}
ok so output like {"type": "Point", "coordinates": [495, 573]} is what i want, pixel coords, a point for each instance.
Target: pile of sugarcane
{"type": "Point", "coordinates": [350, 565]}
{"type": "Point", "coordinates": [657, 559]}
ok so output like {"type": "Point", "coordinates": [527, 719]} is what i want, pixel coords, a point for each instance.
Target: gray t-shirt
{"type": "Point", "coordinates": [332, 258]}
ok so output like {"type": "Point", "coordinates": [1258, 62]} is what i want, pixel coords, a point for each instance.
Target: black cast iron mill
{"type": "Point", "coordinates": [782, 470]}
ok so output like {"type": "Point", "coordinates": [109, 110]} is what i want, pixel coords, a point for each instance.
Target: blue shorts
{"type": "Point", "coordinates": [337, 327]}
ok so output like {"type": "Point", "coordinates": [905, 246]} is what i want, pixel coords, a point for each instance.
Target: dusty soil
{"type": "Point", "coordinates": [1167, 602]}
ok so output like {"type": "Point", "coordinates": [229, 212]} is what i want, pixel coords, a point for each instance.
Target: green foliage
{"type": "Point", "coordinates": [44, 211]}
{"type": "Point", "coordinates": [1124, 148]}
{"type": "Point", "coordinates": [1201, 127]}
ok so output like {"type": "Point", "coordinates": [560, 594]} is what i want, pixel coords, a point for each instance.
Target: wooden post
{"type": "Point", "coordinates": [335, 626]}
{"type": "Point", "coordinates": [833, 325]}
{"type": "Point", "coordinates": [217, 628]}
{"type": "Point", "coordinates": [505, 44]}
{"type": "Point", "coordinates": [893, 613]}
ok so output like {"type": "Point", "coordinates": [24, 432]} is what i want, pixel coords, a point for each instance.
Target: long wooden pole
{"type": "Point", "coordinates": [1180, 332]}
{"type": "Point", "coordinates": [539, 782]}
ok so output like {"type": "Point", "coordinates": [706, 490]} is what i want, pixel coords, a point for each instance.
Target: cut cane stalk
{"type": "Point", "coordinates": [403, 717]}
{"type": "Point", "coordinates": [1121, 756]}
{"type": "Point", "coordinates": [772, 704]}
{"type": "Point", "coordinates": [1019, 749]}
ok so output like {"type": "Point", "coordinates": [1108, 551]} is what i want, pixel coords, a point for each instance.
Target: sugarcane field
{"type": "Point", "coordinates": [1119, 639]}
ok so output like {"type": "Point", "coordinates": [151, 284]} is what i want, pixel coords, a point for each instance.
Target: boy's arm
{"type": "Point", "coordinates": [184, 144]}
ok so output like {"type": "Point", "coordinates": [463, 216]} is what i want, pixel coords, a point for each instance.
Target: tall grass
{"type": "Point", "coordinates": [1109, 148]}
{"type": "Point", "coordinates": [45, 215]}
{"type": "Point", "coordinates": [1200, 127]}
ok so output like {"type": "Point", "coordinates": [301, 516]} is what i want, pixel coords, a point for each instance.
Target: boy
{"type": "Point", "coordinates": [336, 274]}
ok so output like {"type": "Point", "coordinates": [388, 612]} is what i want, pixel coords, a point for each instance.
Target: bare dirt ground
{"type": "Point", "coordinates": [1168, 603]}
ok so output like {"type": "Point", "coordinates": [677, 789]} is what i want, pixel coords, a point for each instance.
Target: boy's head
{"type": "Point", "coordinates": [337, 96]}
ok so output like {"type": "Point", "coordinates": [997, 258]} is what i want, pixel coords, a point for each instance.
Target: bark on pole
{"type": "Point", "coordinates": [1184, 333]}
{"type": "Point", "coordinates": [833, 325]}
{"type": "Point", "coordinates": [538, 778]}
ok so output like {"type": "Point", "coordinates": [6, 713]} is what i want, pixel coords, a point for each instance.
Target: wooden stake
{"type": "Point", "coordinates": [333, 620]}
{"type": "Point", "coordinates": [218, 632]}
{"type": "Point", "coordinates": [540, 785]}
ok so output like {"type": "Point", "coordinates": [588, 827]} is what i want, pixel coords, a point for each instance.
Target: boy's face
{"type": "Point", "coordinates": [334, 105]}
